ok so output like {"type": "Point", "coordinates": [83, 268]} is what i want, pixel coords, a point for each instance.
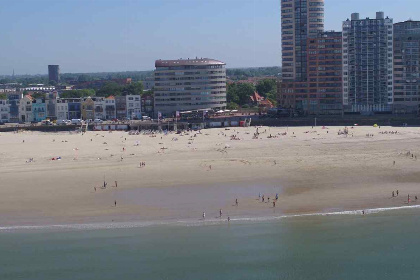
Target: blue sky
{"type": "Point", "coordinates": [126, 35]}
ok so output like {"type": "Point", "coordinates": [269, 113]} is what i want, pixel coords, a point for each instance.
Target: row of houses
{"type": "Point", "coordinates": [28, 108]}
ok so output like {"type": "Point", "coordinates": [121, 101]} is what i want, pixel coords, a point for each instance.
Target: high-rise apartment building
{"type": "Point", "coordinates": [54, 73]}
{"type": "Point", "coordinates": [368, 64]}
{"type": "Point", "coordinates": [300, 19]}
{"type": "Point", "coordinates": [322, 93]}
{"type": "Point", "coordinates": [189, 84]}
{"type": "Point", "coordinates": [407, 67]}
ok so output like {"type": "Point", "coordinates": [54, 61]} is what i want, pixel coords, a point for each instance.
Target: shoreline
{"type": "Point", "coordinates": [195, 222]}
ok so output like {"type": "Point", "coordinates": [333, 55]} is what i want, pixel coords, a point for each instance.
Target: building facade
{"type": "Point", "coordinates": [25, 109]}
{"type": "Point", "coordinates": [407, 67]}
{"type": "Point", "coordinates": [88, 109]}
{"type": "Point", "coordinates": [147, 105]}
{"type": "Point", "coordinates": [300, 19]}
{"type": "Point", "coordinates": [368, 64]}
{"type": "Point", "coordinates": [189, 84]}
{"type": "Point", "coordinates": [54, 73]}
{"type": "Point", "coordinates": [39, 109]}
{"type": "Point", "coordinates": [14, 98]}
{"type": "Point", "coordinates": [74, 107]}
{"type": "Point", "coordinates": [133, 105]}
{"type": "Point", "coordinates": [4, 110]}
{"type": "Point", "coordinates": [62, 110]}
{"type": "Point", "coordinates": [51, 103]}
{"type": "Point", "coordinates": [322, 93]}
{"type": "Point", "coordinates": [121, 107]}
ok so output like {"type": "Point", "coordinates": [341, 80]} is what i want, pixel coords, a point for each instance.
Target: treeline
{"type": "Point", "coordinates": [245, 73]}
{"type": "Point", "coordinates": [70, 78]}
{"type": "Point", "coordinates": [238, 94]}
{"type": "Point", "coordinates": [110, 88]}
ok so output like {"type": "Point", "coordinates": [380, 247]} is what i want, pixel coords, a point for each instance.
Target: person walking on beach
{"type": "Point", "coordinates": [397, 192]}
{"type": "Point", "coordinates": [277, 196]}
{"type": "Point", "coordinates": [204, 215]}
{"type": "Point", "coordinates": [116, 184]}
{"type": "Point", "coordinates": [115, 203]}
{"type": "Point", "coordinates": [94, 188]}
{"type": "Point", "coordinates": [259, 196]}
{"type": "Point", "coordinates": [220, 213]}
{"type": "Point", "coordinates": [228, 219]}
{"type": "Point", "coordinates": [408, 199]}
{"type": "Point", "coordinates": [274, 204]}
{"type": "Point", "coordinates": [263, 198]}
{"type": "Point", "coordinates": [236, 202]}
{"type": "Point", "coordinates": [393, 194]}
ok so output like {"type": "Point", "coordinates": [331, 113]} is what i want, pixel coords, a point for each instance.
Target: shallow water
{"type": "Point", "coordinates": [376, 246]}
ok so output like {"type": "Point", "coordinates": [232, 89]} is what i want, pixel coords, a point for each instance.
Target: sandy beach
{"type": "Point", "coordinates": [312, 169]}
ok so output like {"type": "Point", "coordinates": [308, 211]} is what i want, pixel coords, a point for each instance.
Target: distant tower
{"type": "Point", "coordinates": [54, 73]}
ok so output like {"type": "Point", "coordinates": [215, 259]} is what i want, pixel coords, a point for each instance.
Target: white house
{"type": "Point", "coordinates": [133, 106]}
{"type": "Point", "coordinates": [4, 110]}
{"type": "Point", "coordinates": [62, 110]}
{"type": "Point", "coordinates": [25, 109]}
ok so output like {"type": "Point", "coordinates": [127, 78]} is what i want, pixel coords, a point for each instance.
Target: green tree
{"type": "Point", "coordinates": [239, 93]}
{"type": "Point", "coordinates": [77, 93]}
{"type": "Point", "coordinates": [266, 86]}
{"type": "Point", "coordinates": [244, 91]}
{"type": "Point", "coordinates": [133, 89]}
{"type": "Point", "coordinates": [3, 96]}
{"type": "Point", "coordinates": [110, 88]}
{"type": "Point", "coordinates": [38, 95]}
{"type": "Point", "coordinates": [232, 106]}
{"type": "Point", "coordinates": [232, 93]}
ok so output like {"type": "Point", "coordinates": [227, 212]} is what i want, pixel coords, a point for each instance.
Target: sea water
{"type": "Point", "coordinates": [382, 246]}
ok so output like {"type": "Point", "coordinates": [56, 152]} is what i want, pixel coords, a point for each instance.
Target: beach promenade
{"type": "Point", "coordinates": [58, 178]}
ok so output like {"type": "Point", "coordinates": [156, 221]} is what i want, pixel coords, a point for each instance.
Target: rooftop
{"type": "Point", "coordinates": [188, 62]}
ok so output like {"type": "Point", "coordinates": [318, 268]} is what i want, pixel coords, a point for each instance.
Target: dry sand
{"type": "Point", "coordinates": [312, 169]}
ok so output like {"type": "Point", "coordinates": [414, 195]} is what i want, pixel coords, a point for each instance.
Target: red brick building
{"type": "Point", "coordinates": [322, 93]}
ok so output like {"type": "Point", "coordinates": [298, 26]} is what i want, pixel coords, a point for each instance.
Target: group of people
{"type": "Point", "coordinates": [262, 197]}
{"type": "Point", "coordinates": [396, 194]}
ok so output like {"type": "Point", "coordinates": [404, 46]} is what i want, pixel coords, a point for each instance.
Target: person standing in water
{"type": "Point", "coordinates": [236, 202]}
{"type": "Point", "coordinates": [204, 215]}
{"type": "Point", "coordinates": [220, 213]}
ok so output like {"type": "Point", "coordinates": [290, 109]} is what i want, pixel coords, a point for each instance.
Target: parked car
{"type": "Point", "coordinates": [46, 122]}
{"type": "Point", "coordinates": [97, 121]}
{"type": "Point", "coordinates": [76, 121]}
{"type": "Point", "coordinates": [64, 122]}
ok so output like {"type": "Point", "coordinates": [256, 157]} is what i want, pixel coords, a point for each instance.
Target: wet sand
{"type": "Point", "coordinates": [312, 169]}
